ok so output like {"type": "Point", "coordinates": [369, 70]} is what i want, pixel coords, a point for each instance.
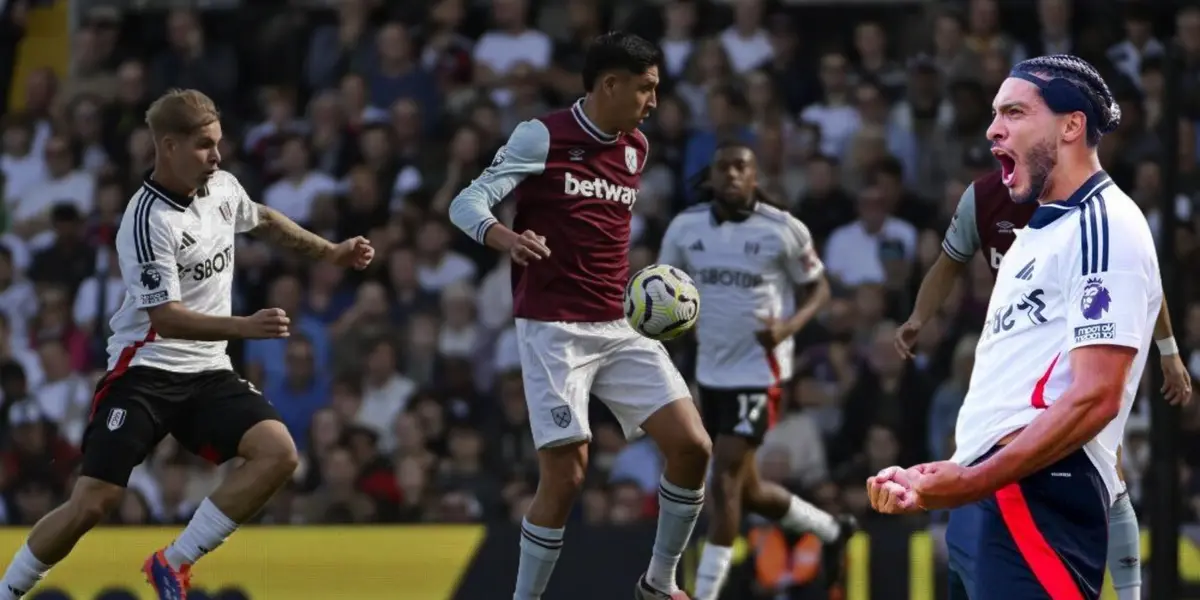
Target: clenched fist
{"type": "Point", "coordinates": [267, 323]}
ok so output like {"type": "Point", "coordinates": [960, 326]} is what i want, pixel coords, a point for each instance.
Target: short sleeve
{"type": "Point", "coordinates": [246, 218]}
{"type": "Point", "coordinates": [146, 253]}
{"type": "Point", "coordinates": [1110, 291]}
{"type": "Point", "coordinates": [962, 236]}
{"type": "Point", "coordinates": [671, 250]}
{"type": "Point", "coordinates": [800, 259]}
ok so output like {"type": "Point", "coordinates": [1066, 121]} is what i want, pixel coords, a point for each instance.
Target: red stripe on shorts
{"type": "Point", "coordinates": [1045, 563]}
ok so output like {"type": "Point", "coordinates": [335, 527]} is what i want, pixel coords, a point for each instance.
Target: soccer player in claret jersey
{"type": "Point", "coordinates": [1060, 358]}
{"type": "Point", "coordinates": [168, 372]}
{"type": "Point", "coordinates": [985, 221]}
{"type": "Point", "coordinates": [747, 258]}
{"type": "Point", "coordinates": [575, 174]}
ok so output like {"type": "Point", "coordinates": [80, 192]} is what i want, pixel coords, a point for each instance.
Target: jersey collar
{"type": "Point", "coordinates": [1050, 212]}
{"type": "Point", "coordinates": [742, 215]}
{"type": "Point", "coordinates": [179, 202]}
{"type": "Point", "coordinates": [588, 126]}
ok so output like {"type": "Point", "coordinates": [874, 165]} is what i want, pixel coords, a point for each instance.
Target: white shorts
{"type": "Point", "coordinates": [563, 364]}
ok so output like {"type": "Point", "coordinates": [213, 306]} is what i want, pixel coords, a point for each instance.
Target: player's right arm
{"type": "Point", "coordinates": [958, 246]}
{"type": "Point", "coordinates": [146, 252]}
{"type": "Point", "coordinates": [471, 210]}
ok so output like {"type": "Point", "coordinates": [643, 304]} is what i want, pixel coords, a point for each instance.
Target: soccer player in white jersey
{"type": "Point", "coordinates": [168, 372]}
{"type": "Point", "coordinates": [975, 229]}
{"type": "Point", "coordinates": [1070, 324]}
{"type": "Point", "coordinates": [747, 259]}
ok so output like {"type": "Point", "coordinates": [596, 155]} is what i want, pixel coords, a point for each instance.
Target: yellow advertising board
{"type": "Point", "coordinates": [285, 563]}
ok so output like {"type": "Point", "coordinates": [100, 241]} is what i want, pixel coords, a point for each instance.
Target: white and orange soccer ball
{"type": "Point", "coordinates": [661, 302]}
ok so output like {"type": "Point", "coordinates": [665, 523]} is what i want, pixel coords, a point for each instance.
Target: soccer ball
{"type": "Point", "coordinates": [661, 302]}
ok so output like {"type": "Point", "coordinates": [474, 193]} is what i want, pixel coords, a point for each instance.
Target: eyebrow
{"type": "Point", "coordinates": [1009, 106]}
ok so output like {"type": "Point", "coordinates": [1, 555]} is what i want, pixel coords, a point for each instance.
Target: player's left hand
{"type": "Point", "coordinates": [1177, 381]}
{"type": "Point", "coordinates": [946, 484]}
{"type": "Point", "coordinates": [355, 253]}
{"type": "Point", "coordinates": [772, 332]}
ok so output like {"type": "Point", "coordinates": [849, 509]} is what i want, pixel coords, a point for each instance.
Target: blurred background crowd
{"type": "Point", "coordinates": [362, 117]}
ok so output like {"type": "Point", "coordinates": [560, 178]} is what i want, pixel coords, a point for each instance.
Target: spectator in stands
{"type": "Point", "coordinates": [864, 251]}
{"type": "Point", "coordinates": [509, 43]}
{"type": "Point", "coordinates": [746, 41]}
{"type": "Point", "coordinates": [64, 182]}
{"type": "Point", "coordinates": [193, 62]}
{"type": "Point", "coordinates": [337, 49]}
{"type": "Point", "coordinates": [395, 73]}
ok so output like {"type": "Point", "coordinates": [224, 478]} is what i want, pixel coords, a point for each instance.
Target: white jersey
{"type": "Point", "coordinates": [744, 270]}
{"type": "Point", "coordinates": [1083, 273]}
{"type": "Point", "coordinates": [173, 248]}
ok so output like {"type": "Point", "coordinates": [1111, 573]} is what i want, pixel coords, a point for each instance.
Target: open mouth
{"type": "Point", "coordinates": [1008, 166]}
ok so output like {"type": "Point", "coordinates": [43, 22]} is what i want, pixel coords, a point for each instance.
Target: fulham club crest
{"type": "Point", "coordinates": [631, 159]}
{"type": "Point", "coordinates": [116, 418]}
{"type": "Point", "coordinates": [227, 212]}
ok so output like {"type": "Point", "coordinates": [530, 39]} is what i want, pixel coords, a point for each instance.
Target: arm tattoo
{"type": "Point", "coordinates": [281, 231]}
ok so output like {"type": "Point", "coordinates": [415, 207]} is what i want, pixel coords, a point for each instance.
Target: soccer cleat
{"type": "Point", "coordinates": [833, 555]}
{"type": "Point", "coordinates": [168, 583]}
{"type": "Point", "coordinates": [645, 591]}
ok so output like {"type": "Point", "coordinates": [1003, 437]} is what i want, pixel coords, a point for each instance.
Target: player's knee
{"type": "Point", "coordinates": [694, 448]}
{"type": "Point", "coordinates": [92, 501]}
{"type": "Point", "coordinates": [269, 444]}
{"type": "Point", "coordinates": [562, 471]}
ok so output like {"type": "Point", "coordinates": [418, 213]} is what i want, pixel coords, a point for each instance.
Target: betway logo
{"type": "Point", "coordinates": [600, 188]}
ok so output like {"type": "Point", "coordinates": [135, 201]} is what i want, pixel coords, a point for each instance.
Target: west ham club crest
{"type": "Point", "coordinates": [631, 159]}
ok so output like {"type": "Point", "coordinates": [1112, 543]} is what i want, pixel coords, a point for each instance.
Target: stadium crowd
{"type": "Point", "coordinates": [401, 385]}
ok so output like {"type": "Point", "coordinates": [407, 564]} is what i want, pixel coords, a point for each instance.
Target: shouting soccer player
{"type": "Point", "coordinates": [747, 258]}
{"type": "Point", "coordinates": [985, 221]}
{"type": "Point", "coordinates": [1059, 360]}
{"type": "Point", "coordinates": [168, 372]}
{"type": "Point", "coordinates": [575, 175]}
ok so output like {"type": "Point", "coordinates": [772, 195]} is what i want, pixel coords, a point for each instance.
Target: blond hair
{"type": "Point", "coordinates": [181, 112]}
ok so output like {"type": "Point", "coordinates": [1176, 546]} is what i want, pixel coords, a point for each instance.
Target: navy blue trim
{"type": "Point", "coordinates": [178, 202]}
{"type": "Point", "coordinates": [142, 246]}
{"type": "Point", "coordinates": [1051, 211]}
{"type": "Point", "coordinates": [1093, 231]}
{"type": "Point", "coordinates": [588, 126]}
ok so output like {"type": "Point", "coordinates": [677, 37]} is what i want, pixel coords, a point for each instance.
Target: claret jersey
{"type": "Point", "coordinates": [744, 270]}
{"type": "Point", "coordinates": [1083, 272]}
{"type": "Point", "coordinates": [174, 248]}
{"type": "Point", "coordinates": [576, 186]}
{"type": "Point", "coordinates": [984, 221]}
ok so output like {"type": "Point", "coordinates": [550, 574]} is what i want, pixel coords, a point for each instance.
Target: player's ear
{"type": "Point", "coordinates": [1074, 127]}
{"type": "Point", "coordinates": [609, 82]}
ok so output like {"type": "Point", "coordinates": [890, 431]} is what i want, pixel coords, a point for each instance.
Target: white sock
{"type": "Point", "coordinates": [208, 529]}
{"type": "Point", "coordinates": [23, 573]}
{"type": "Point", "coordinates": [1130, 593]}
{"type": "Point", "coordinates": [540, 547]}
{"type": "Point", "coordinates": [678, 510]}
{"type": "Point", "coordinates": [803, 517]}
{"type": "Point", "coordinates": [714, 566]}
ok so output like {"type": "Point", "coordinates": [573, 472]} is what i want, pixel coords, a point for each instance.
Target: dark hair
{"type": "Point", "coordinates": [702, 182]}
{"type": "Point", "coordinates": [887, 166]}
{"type": "Point", "coordinates": [1081, 74]}
{"type": "Point", "coordinates": [618, 51]}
